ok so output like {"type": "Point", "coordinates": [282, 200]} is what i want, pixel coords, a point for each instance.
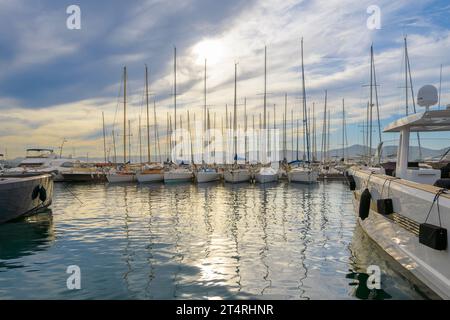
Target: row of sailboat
{"type": "Point", "coordinates": [170, 171]}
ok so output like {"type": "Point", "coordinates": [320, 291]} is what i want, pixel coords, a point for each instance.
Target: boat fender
{"type": "Point", "coordinates": [385, 206]}
{"type": "Point", "coordinates": [431, 235]}
{"type": "Point", "coordinates": [351, 182]}
{"type": "Point", "coordinates": [42, 194]}
{"type": "Point", "coordinates": [364, 204]}
{"type": "Point", "coordinates": [35, 192]}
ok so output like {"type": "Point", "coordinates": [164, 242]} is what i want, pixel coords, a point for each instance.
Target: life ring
{"type": "Point", "coordinates": [364, 204]}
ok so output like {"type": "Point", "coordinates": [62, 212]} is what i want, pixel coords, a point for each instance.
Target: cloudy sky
{"type": "Point", "coordinates": [55, 82]}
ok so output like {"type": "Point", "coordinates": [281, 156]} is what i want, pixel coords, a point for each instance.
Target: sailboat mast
{"type": "Point", "coordinates": [140, 141]}
{"type": "Point", "coordinates": [124, 115]}
{"type": "Point", "coordinates": [284, 128]}
{"type": "Point", "coordinates": [265, 85]}
{"type": "Point", "coordinates": [175, 87]}
{"type": "Point", "coordinates": [148, 121]}
{"type": "Point", "coordinates": [324, 129]}
{"type": "Point", "coordinates": [204, 114]}
{"type": "Point", "coordinates": [370, 104]}
{"type": "Point", "coordinates": [104, 135]}
{"type": "Point", "coordinates": [245, 129]}
{"type": "Point", "coordinates": [235, 111]}
{"type": "Point", "coordinates": [306, 128]}
{"type": "Point", "coordinates": [157, 151]}
{"type": "Point", "coordinates": [343, 129]}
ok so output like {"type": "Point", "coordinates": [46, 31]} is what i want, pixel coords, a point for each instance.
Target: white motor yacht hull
{"type": "Point", "coordinates": [237, 176]}
{"type": "Point", "coordinates": [24, 196]}
{"type": "Point", "coordinates": [303, 176]}
{"type": "Point", "coordinates": [397, 233]}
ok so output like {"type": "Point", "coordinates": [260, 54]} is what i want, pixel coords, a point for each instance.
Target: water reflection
{"type": "Point", "coordinates": [24, 237]}
{"type": "Point", "coordinates": [212, 241]}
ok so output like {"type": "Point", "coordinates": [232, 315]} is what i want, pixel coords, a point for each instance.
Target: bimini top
{"type": "Point", "coordinates": [435, 120]}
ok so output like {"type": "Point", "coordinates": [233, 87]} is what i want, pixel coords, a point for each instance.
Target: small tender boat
{"type": "Point", "coordinates": [151, 173]}
{"type": "Point", "coordinates": [204, 175]}
{"type": "Point", "coordinates": [24, 196]}
{"type": "Point", "coordinates": [408, 214]}
{"type": "Point", "coordinates": [266, 175]}
{"type": "Point", "coordinates": [178, 175]}
{"type": "Point", "coordinates": [237, 175]}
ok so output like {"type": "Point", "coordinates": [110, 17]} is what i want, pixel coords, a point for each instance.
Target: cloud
{"type": "Point", "coordinates": [56, 82]}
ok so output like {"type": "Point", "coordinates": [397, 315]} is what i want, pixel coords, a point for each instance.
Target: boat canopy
{"type": "Point", "coordinates": [434, 120]}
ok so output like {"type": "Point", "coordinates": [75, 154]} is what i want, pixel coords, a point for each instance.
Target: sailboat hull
{"type": "Point", "coordinates": [121, 178]}
{"type": "Point", "coordinates": [150, 177]}
{"type": "Point", "coordinates": [303, 176]}
{"type": "Point", "coordinates": [174, 177]}
{"type": "Point", "coordinates": [204, 177]}
{"type": "Point", "coordinates": [266, 178]}
{"type": "Point", "coordinates": [237, 176]}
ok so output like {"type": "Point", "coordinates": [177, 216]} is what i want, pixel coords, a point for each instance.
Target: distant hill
{"type": "Point", "coordinates": [354, 151]}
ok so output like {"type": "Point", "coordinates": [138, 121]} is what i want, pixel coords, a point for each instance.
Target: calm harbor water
{"type": "Point", "coordinates": [185, 241]}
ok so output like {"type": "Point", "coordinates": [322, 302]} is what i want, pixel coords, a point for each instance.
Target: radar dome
{"type": "Point", "coordinates": [427, 96]}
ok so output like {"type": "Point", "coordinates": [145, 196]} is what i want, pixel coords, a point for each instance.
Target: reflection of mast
{"type": "Point", "coordinates": [148, 121]}
{"type": "Point", "coordinates": [235, 115]}
{"type": "Point", "coordinates": [124, 115]}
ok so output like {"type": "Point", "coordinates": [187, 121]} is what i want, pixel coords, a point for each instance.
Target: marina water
{"type": "Point", "coordinates": [281, 241]}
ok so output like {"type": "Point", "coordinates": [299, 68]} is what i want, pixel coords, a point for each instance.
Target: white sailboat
{"type": "Point", "coordinates": [266, 174]}
{"type": "Point", "coordinates": [408, 214]}
{"type": "Point", "coordinates": [178, 174]}
{"type": "Point", "coordinates": [236, 173]}
{"type": "Point", "coordinates": [150, 172]}
{"type": "Point", "coordinates": [123, 174]}
{"type": "Point", "coordinates": [304, 173]}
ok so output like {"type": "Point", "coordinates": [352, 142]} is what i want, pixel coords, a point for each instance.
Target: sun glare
{"type": "Point", "coordinates": [211, 50]}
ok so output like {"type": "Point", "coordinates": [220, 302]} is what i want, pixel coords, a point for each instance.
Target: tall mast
{"type": "Point", "coordinates": [204, 114]}
{"type": "Point", "coordinates": [284, 128]}
{"type": "Point", "coordinates": [124, 115]}
{"type": "Point", "coordinates": [140, 141]}
{"type": "Point", "coordinates": [370, 104]}
{"type": "Point", "coordinates": [148, 121]}
{"type": "Point", "coordinates": [129, 140]}
{"type": "Point", "coordinates": [305, 125]}
{"type": "Point", "coordinates": [406, 77]}
{"type": "Point", "coordinates": [235, 111]}
{"type": "Point", "coordinates": [157, 151]}
{"type": "Point", "coordinates": [114, 146]}
{"type": "Point", "coordinates": [343, 129]}
{"type": "Point", "coordinates": [324, 129]}
{"type": "Point", "coordinates": [104, 135]}
{"type": "Point", "coordinates": [314, 146]}
{"type": "Point", "coordinates": [440, 86]}
{"type": "Point", "coordinates": [245, 129]}
{"type": "Point", "coordinates": [265, 85]}
{"type": "Point", "coordinates": [175, 87]}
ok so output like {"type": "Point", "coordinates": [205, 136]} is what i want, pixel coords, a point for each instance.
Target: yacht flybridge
{"type": "Point", "coordinates": [40, 161]}
{"type": "Point", "coordinates": [408, 214]}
